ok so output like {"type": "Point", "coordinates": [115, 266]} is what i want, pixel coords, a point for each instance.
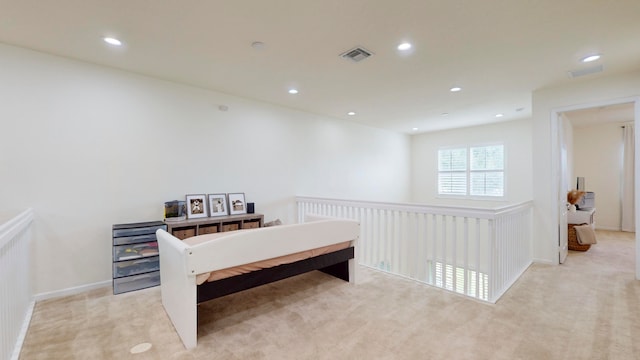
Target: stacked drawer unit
{"type": "Point", "coordinates": [136, 264]}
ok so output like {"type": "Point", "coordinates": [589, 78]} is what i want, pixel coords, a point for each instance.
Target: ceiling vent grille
{"type": "Point", "coordinates": [583, 72]}
{"type": "Point", "coordinates": [356, 54]}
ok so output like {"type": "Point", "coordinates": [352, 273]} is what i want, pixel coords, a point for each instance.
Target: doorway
{"type": "Point", "coordinates": [585, 115]}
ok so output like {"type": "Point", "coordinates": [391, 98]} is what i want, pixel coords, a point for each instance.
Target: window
{"type": "Point", "coordinates": [476, 171]}
{"type": "Point", "coordinates": [452, 171]}
{"type": "Point", "coordinates": [442, 275]}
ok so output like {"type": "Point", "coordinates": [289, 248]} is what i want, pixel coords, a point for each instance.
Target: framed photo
{"type": "Point", "coordinates": [218, 205]}
{"type": "Point", "coordinates": [196, 206]}
{"type": "Point", "coordinates": [237, 204]}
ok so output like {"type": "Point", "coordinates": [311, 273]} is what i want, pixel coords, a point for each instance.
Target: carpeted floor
{"type": "Point", "coordinates": [588, 308]}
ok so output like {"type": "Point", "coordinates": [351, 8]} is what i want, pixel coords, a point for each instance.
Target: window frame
{"type": "Point", "coordinates": [468, 172]}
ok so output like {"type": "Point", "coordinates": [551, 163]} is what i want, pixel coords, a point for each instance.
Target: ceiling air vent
{"type": "Point", "coordinates": [357, 54]}
{"type": "Point", "coordinates": [583, 72]}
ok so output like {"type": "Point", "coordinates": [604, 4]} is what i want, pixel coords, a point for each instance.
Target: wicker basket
{"type": "Point", "coordinates": [573, 239]}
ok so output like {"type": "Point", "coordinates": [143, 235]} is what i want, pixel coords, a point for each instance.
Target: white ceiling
{"type": "Point", "coordinates": [498, 51]}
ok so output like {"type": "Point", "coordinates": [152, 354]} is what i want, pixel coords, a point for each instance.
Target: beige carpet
{"type": "Point", "coordinates": [587, 308]}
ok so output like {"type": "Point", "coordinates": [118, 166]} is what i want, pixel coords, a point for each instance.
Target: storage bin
{"type": "Point", "coordinates": [136, 282]}
{"type": "Point", "coordinates": [135, 251]}
{"type": "Point", "coordinates": [573, 239]}
{"type": "Point", "coordinates": [136, 266]}
{"type": "Point", "coordinates": [183, 233]}
{"type": "Point", "coordinates": [251, 224]}
{"type": "Point", "coordinates": [207, 229]}
{"type": "Point", "coordinates": [134, 239]}
{"type": "Point", "coordinates": [230, 226]}
{"type": "Point", "coordinates": [136, 229]}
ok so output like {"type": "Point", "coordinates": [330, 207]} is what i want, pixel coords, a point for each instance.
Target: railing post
{"type": "Point", "coordinates": [466, 256]}
{"type": "Point", "coordinates": [492, 259]}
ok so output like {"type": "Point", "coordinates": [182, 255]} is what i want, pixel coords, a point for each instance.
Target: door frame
{"type": "Point", "coordinates": [561, 197]}
{"type": "Point", "coordinates": [556, 163]}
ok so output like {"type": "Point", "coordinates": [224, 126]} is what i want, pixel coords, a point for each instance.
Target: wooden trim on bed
{"type": "Point", "coordinates": [335, 263]}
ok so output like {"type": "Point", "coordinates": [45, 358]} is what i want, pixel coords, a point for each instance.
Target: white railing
{"type": "Point", "coordinates": [16, 299]}
{"type": "Point", "coordinates": [472, 251]}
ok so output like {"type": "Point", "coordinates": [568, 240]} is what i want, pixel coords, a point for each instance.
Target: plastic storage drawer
{"type": "Point", "coordinates": [133, 230]}
{"type": "Point", "coordinates": [135, 251]}
{"type": "Point", "coordinates": [135, 267]}
{"type": "Point", "coordinates": [134, 239]}
{"type": "Point", "coordinates": [136, 282]}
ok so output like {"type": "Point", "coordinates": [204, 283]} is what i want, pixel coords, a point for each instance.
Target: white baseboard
{"type": "Point", "coordinates": [72, 291]}
{"type": "Point", "coordinates": [543, 261]}
{"type": "Point", "coordinates": [608, 228]}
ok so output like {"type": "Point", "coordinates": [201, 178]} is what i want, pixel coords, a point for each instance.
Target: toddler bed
{"type": "Point", "coordinates": [208, 266]}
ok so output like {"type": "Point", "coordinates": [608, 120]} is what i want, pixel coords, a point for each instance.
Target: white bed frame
{"type": "Point", "coordinates": [180, 263]}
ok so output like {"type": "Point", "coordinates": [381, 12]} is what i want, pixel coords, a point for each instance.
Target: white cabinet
{"type": "Point", "coordinates": [582, 217]}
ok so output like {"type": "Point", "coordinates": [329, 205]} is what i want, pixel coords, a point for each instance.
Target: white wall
{"type": "Point", "coordinates": [598, 158]}
{"type": "Point", "coordinates": [516, 136]}
{"type": "Point", "coordinates": [583, 93]}
{"type": "Point", "coordinates": [87, 147]}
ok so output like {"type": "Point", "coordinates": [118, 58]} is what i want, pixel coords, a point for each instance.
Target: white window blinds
{"type": "Point", "coordinates": [452, 171]}
{"type": "Point", "coordinates": [476, 171]}
{"type": "Point", "coordinates": [487, 171]}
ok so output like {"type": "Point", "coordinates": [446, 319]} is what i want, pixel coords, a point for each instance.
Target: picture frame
{"type": "Point", "coordinates": [196, 206]}
{"type": "Point", "coordinates": [218, 205]}
{"type": "Point", "coordinates": [237, 204]}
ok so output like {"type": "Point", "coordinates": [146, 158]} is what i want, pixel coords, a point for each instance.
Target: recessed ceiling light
{"type": "Point", "coordinates": [293, 91]}
{"type": "Point", "coordinates": [351, 113]}
{"type": "Point", "coordinates": [455, 89]}
{"type": "Point", "coordinates": [415, 129]}
{"type": "Point", "coordinates": [404, 46]}
{"type": "Point", "coordinates": [112, 41]}
{"type": "Point", "coordinates": [591, 58]}
{"type": "Point", "coordinates": [499, 115]}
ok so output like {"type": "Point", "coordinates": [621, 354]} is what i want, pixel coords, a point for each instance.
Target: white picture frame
{"type": "Point", "coordinates": [196, 206]}
{"type": "Point", "coordinates": [237, 204]}
{"type": "Point", "coordinates": [218, 205]}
